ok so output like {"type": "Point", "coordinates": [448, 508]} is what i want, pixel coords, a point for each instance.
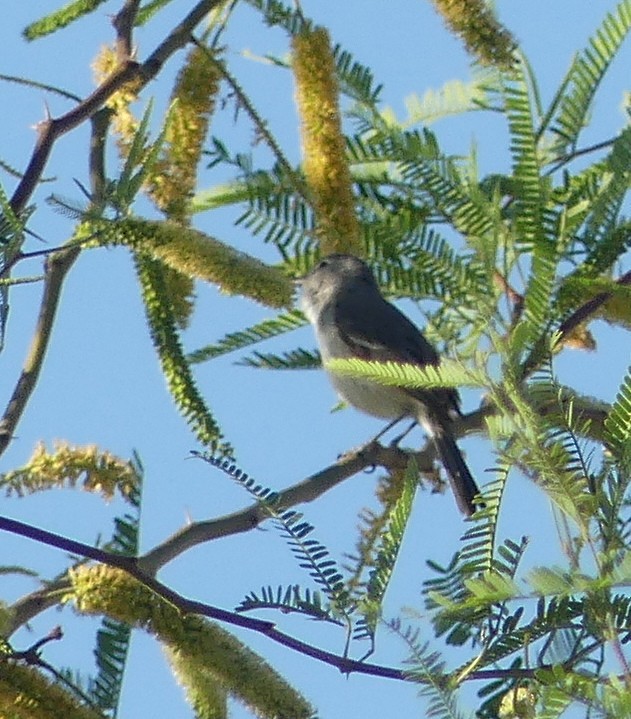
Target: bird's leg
{"type": "Point", "coordinates": [388, 427]}
{"type": "Point", "coordinates": [396, 440]}
{"type": "Point", "coordinates": [378, 436]}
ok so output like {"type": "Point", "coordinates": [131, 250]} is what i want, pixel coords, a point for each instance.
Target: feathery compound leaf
{"type": "Point", "coordinates": [587, 71]}
{"type": "Point", "coordinates": [476, 554]}
{"type": "Point", "coordinates": [432, 267]}
{"type": "Point", "coordinates": [451, 197]}
{"type": "Point", "coordinates": [387, 552]}
{"type": "Point", "coordinates": [312, 555]}
{"type": "Point", "coordinates": [277, 13]}
{"type": "Point", "coordinates": [443, 594]}
{"type": "Point", "coordinates": [112, 648]}
{"type": "Point", "coordinates": [176, 369]}
{"type": "Point", "coordinates": [288, 600]}
{"type": "Point", "coordinates": [535, 225]}
{"type": "Point", "coordinates": [554, 701]}
{"type": "Point", "coordinates": [455, 97]}
{"type": "Point", "coordinates": [618, 422]}
{"type": "Point", "coordinates": [434, 176]}
{"type": "Point", "coordinates": [557, 613]}
{"type": "Point", "coordinates": [428, 670]}
{"type": "Point", "coordinates": [285, 219]}
{"type": "Point", "coordinates": [604, 207]}
{"type": "Point", "coordinates": [447, 374]}
{"type": "Point", "coordinates": [114, 637]}
{"type": "Point", "coordinates": [355, 80]}
{"type": "Point", "coordinates": [265, 330]}
{"type": "Point", "coordinates": [294, 359]}
{"type": "Point", "coordinates": [60, 18]}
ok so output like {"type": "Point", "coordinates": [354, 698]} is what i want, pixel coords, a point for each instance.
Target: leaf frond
{"type": "Point", "coordinates": [447, 374]}
{"type": "Point", "coordinates": [60, 18]}
{"type": "Point", "coordinates": [234, 341]}
{"type": "Point", "coordinates": [292, 599]}
{"type": "Point", "coordinates": [387, 551]}
{"type": "Point", "coordinates": [428, 670]}
{"type": "Point", "coordinates": [311, 554]}
{"type": "Point", "coordinates": [294, 359]}
{"type": "Point", "coordinates": [587, 72]}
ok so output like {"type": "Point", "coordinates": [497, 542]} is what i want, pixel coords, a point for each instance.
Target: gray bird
{"type": "Point", "coordinates": [352, 319]}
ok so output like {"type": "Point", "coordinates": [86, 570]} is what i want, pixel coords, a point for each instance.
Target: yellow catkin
{"type": "Point", "coordinates": [124, 123]}
{"type": "Point", "coordinates": [325, 164]}
{"type": "Point", "coordinates": [482, 34]}
{"type": "Point", "coordinates": [197, 255]}
{"type": "Point", "coordinates": [519, 703]}
{"type": "Point", "coordinates": [94, 469]}
{"type": "Point", "coordinates": [172, 182]}
{"type": "Point", "coordinates": [26, 694]}
{"type": "Point", "coordinates": [202, 644]}
{"type": "Point", "coordinates": [204, 693]}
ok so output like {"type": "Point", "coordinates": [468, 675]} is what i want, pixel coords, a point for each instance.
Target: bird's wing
{"type": "Point", "coordinates": [386, 334]}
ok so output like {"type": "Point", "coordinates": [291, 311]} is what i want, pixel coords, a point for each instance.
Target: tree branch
{"type": "Point", "coordinates": [56, 267]}
{"type": "Point", "coordinates": [51, 129]}
{"type": "Point", "coordinates": [190, 606]}
{"type": "Point", "coordinates": [307, 490]}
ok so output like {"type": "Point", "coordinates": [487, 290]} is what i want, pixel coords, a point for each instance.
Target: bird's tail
{"type": "Point", "coordinates": [462, 483]}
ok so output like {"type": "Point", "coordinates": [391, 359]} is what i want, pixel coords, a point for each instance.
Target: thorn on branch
{"type": "Point", "coordinates": [32, 655]}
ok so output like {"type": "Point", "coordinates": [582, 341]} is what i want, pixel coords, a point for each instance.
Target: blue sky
{"type": "Point", "coordinates": [101, 382]}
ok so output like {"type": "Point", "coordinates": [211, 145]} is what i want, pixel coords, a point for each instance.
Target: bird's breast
{"type": "Point", "coordinates": [367, 396]}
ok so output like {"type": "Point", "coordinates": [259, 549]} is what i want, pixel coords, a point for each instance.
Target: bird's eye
{"type": "Point", "coordinates": [323, 263]}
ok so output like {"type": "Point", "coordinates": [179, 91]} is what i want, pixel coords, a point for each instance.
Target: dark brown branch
{"type": "Point", "coordinates": [100, 125]}
{"type": "Point", "coordinates": [582, 313]}
{"type": "Point", "coordinates": [52, 129]}
{"type": "Point", "coordinates": [57, 267]}
{"type": "Point", "coordinates": [124, 26]}
{"type": "Point", "coordinates": [308, 490]}
{"type": "Point", "coordinates": [31, 654]}
{"type": "Point", "coordinates": [268, 629]}
{"type": "Point", "coordinates": [191, 606]}
{"type": "Point", "coordinates": [588, 309]}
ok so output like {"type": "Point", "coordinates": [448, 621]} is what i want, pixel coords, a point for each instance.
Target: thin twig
{"type": "Point", "coordinates": [56, 268]}
{"type": "Point", "coordinates": [307, 490]}
{"type": "Point", "coordinates": [581, 314]}
{"type": "Point", "coordinates": [124, 25]}
{"type": "Point", "coordinates": [564, 159]}
{"type": "Point", "coordinates": [588, 309]}
{"type": "Point", "coordinates": [51, 129]}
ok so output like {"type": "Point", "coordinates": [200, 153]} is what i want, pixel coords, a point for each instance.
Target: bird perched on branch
{"type": "Point", "coordinates": [352, 319]}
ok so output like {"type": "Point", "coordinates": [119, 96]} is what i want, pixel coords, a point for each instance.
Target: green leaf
{"type": "Point", "coordinates": [618, 423]}
{"type": "Point", "coordinates": [587, 72]}
{"type": "Point", "coordinates": [177, 371]}
{"type": "Point", "coordinates": [60, 18]}
{"type": "Point", "coordinates": [447, 374]}
{"type": "Point", "coordinates": [294, 359]}
{"type": "Point", "coordinates": [259, 332]}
